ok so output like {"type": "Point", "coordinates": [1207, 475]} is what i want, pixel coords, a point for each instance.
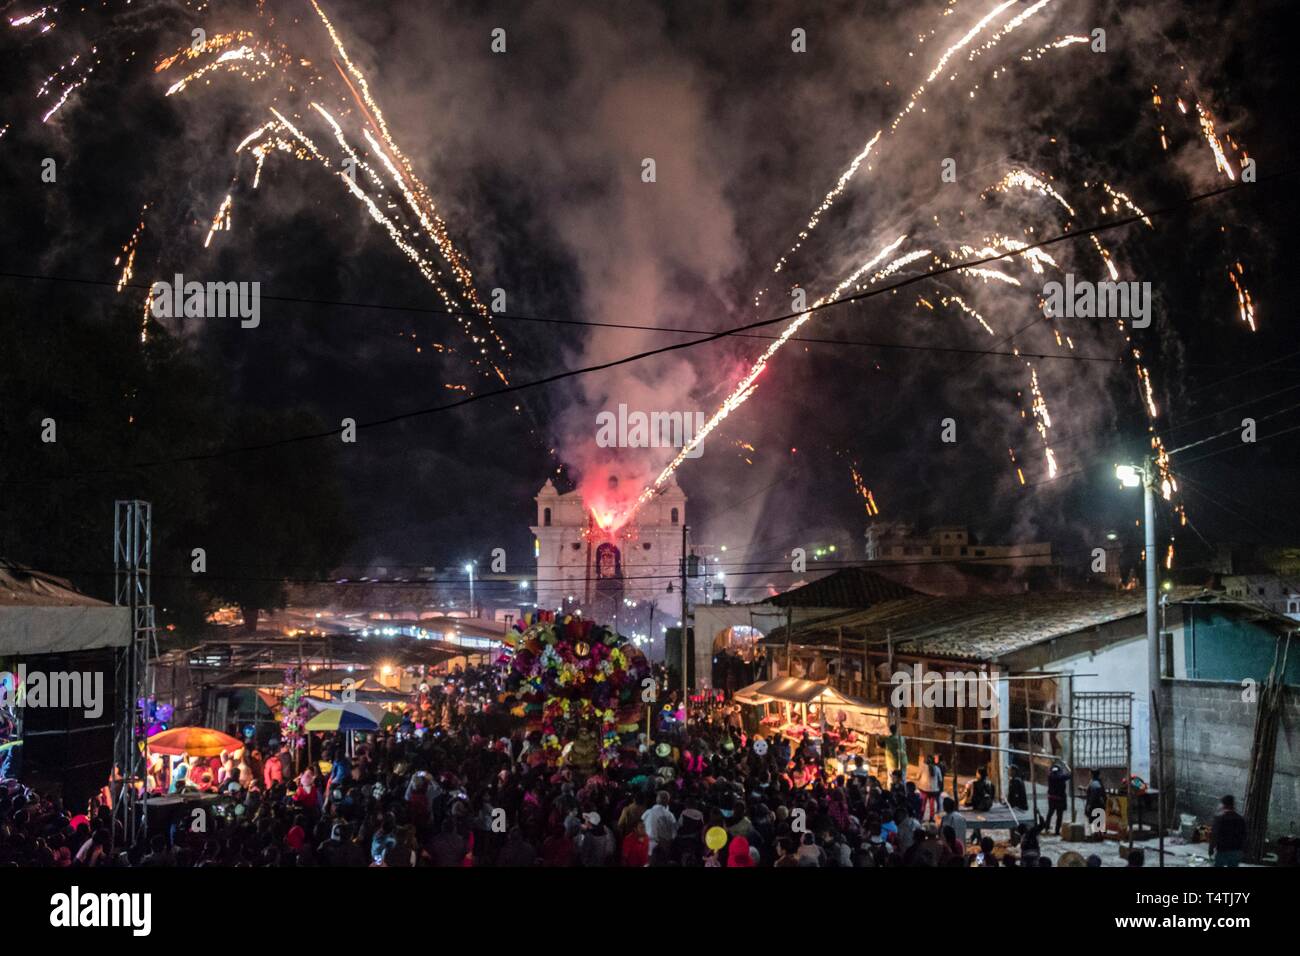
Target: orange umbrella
{"type": "Point", "coordinates": [193, 741]}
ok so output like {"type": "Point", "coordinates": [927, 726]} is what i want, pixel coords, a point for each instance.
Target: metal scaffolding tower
{"type": "Point", "coordinates": [132, 560]}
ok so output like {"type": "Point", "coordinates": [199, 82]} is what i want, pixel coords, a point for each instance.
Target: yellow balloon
{"type": "Point", "coordinates": [716, 838]}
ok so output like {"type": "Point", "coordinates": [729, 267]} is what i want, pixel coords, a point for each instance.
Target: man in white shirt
{"type": "Point", "coordinates": [660, 824]}
{"type": "Point", "coordinates": [952, 818]}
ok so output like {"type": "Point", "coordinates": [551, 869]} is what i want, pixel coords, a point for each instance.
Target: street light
{"type": "Point", "coordinates": [1130, 476]}
{"type": "Point", "coordinates": [469, 569]}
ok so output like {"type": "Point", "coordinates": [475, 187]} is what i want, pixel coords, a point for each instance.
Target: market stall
{"type": "Point", "coordinates": [801, 710]}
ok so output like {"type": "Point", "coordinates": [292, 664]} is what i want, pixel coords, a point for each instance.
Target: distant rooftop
{"type": "Point", "coordinates": [974, 627]}
{"type": "Point", "coordinates": [24, 587]}
{"type": "Point", "coordinates": [846, 588]}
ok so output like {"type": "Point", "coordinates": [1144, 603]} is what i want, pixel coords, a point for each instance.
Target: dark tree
{"type": "Point", "coordinates": [274, 514]}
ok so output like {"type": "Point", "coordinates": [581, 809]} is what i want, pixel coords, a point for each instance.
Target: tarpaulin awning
{"type": "Point", "coordinates": [793, 690]}
{"type": "Point", "coordinates": [27, 631]}
{"type": "Point", "coordinates": [751, 694]}
{"type": "Point", "coordinates": [44, 614]}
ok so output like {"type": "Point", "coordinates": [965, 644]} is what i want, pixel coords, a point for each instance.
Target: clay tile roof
{"type": "Point", "coordinates": [846, 588]}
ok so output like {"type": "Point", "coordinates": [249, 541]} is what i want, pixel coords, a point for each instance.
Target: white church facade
{"type": "Point", "coordinates": [614, 575]}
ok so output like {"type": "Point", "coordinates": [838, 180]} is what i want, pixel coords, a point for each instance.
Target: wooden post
{"type": "Point", "coordinates": [839, 668]}
{"type": "Point", "coordinates": [1073, 786]}
{"type": "Point", "coordinates": [868, 672]}
{"type": "Point", "coordinates": [789, 648]}
{"type": "Point", "coordinates": [1128, 778]}
{"type": "Point", "coordinates": [956, 797]}
{"type": "Point", "coordinates": [889, 643]}
{"type": "Point", "coordinates": [1033, 764]}
{"type": "Point", "coordinates": [297, 751]}
{"type": "Point", "coordinates": [1160, 776]}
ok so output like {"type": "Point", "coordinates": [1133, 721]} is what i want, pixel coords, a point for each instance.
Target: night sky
{"type": "Point", "coordinates": [533, 159]}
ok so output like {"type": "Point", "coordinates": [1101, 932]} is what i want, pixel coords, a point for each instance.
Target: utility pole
{"type": "Point", "coordinates": [1153, 647]}
{"type": "Point", "coordinates": [685, 679]}
{"type": "Point", "coordinates": [1149, 523]}
{"type": "Point", "coordinates": [1147, 475]}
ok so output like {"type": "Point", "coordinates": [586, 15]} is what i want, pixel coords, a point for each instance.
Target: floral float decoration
{"type": "Point", "coordinates": [573, 672]}
{"type": "Point", "coordinates": [294, 712]}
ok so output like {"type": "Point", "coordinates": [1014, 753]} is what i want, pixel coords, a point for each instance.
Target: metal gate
{"type": "Point", "coordinates": [1103, 744]}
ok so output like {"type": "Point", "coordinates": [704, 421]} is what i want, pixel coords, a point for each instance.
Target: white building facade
{"type": "Point", "coordinates": [618, 575]}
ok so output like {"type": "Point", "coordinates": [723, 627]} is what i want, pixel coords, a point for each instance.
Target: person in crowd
{"type": "Point", "coordinates": [982, 793]}
{"type": "Point", "coordinates": [660, 824]}
{"type": "Point", "coordinates": [1094, 807]}
{"type": "Point", "coordinates": [952, 818]}
{"type": "Point", "coordinates": [636, 846]}
{"type": "Point", "coordinates": [738, 852]}
{"type": "Point", "coordinates": [1228, 833]}
{"type": "Point", "coordinates": [595, 843]}
{"type": "Point", "coordinates": [1058, 782]}
{"type": "Point", "coordinates": [459, 782]}
{"type": "Point", "coordinates": [272, 771]}
{"type": "Point", "coordinates": [1017, 799]}
{"type": "Point", "coordinates": [931, 787]}
{"type": "Point", "coordinates": [895, 746]}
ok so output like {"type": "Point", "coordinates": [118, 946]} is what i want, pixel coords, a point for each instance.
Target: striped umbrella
{"type": "Point", "coordinates": [348, 717]}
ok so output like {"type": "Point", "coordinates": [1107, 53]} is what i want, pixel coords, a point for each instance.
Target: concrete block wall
{"type": "Point", "coordinates": [1208, 733]}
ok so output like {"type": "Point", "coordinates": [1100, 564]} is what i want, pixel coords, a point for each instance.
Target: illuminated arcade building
{"type": "Point", "coordinates": [613, 574]}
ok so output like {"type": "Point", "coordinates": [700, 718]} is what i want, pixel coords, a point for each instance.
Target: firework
{"type": "Point", "coordinates": [1017, 179]}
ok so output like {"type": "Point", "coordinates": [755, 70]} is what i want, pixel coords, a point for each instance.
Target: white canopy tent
{"type": "Point", "coordinates": [43, 614]}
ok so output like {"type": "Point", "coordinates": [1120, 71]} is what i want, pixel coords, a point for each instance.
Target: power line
{"type": "Point", "coordinates": [1221, 451]}
{"type": "Point", "coordinates": [1235, 429]}
{"type": "Point", "coordinates": [629, 326]}
{"type": "Point", "coordinates": [714, 336]}
{"type": "Point", "coordinates": [783, 568]}
{"type": "Point", "coordinates": [1200, 489]}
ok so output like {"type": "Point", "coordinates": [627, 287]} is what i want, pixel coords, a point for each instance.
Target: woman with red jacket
{"type": "Point", "coordinates": [636, 846]}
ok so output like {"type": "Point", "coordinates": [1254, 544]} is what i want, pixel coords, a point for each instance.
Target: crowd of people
{"type": "Point", "coordinates": [458, 793]}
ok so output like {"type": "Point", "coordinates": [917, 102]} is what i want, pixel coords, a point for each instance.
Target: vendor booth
{"type": "Point", "coordinates": [799, 709]}
{"type": "Point", "coordinates": [58, 697]}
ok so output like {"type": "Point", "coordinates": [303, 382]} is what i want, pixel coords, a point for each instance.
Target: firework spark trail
{"type": "Point", "coordinates": [415, 192]}
{"type": "Point", "coordinates": [1042, 418]}
{"type": "Point", "coordinates": [126, 258]}
{"type": "Point", "coordinates": [1026, 180]}
{"type": "Point", "coordinates": [1208, 130]}
{"type": "Point", "coordinates": [1245, 306]}
{"type": "Point", "coordinates": [69, 89]}
{"type": "Point", "coordinates": [1207, 127]}
{"type": "Point", "coordinates": [748, 383]}
{"type": "Point", "coordinates": [240, 53]}
{"type": "Point", "coordinates": [221, 221]}
{"type": "Point", "coordinates": [34, 17]}
{"type": "Point", "coordinates": [860, 486]}
{"type": "Point", "coordinates": [1059, 44]}
{"type": "Point", "coordinates": [847, 176]}
{"type": "Point", "coordinates": [961, 304]}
